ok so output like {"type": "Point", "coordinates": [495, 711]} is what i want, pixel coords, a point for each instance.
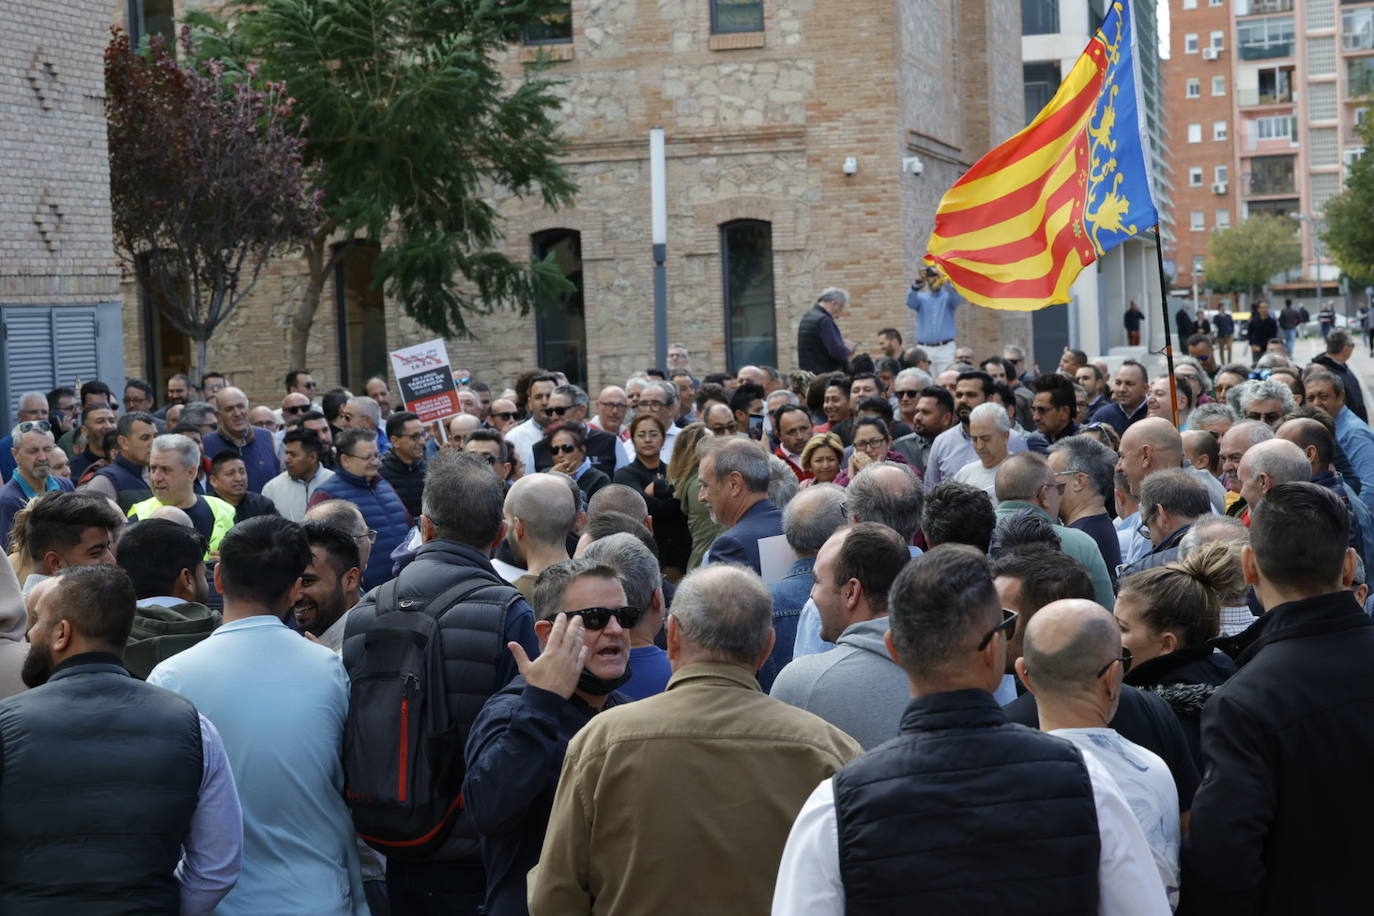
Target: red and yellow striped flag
{"type": "Point", "coordinates": [1018, 227]}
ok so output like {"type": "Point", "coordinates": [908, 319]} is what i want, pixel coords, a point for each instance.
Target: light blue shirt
{"type": "Point", "coordinates": [808, 640]}
{"type": "Point", "coordinates": [1357, 441]}
{"type": "Point", "coordinates": [934, 313]}
{"type": "Point", "coordinates": [279, 702]}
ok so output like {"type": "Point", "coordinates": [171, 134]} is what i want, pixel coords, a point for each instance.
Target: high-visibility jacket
{"type": "Point", "coordinates": [222, 511]}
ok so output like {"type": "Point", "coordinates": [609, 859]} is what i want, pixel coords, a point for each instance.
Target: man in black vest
{"type": "Point", "coordinates": [928, 821]}
{"type": "Point", "coordinates": [820, 346]}
{"type": "Point", "coordinates": [107, 778]}
{"type": "Point", "coordinates": [125, 480]}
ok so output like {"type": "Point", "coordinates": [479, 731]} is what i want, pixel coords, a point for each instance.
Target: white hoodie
{"type": "Point", "coordinates": [13, 624]}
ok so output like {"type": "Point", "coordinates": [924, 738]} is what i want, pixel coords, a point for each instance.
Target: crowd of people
{"type": "Point", "coordinates": [910, 630]}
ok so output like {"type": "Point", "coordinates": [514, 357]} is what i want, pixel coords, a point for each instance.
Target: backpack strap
{"type": "Point", "coordinates": [385, 601]}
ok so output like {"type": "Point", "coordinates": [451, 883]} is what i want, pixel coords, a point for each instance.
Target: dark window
{"type": "Point", "coordinates": [1041, 83]}
{"type": "Point", "coordinates": [1272, 175]}
{"type": "Point", "coordinates": [166, 350]}
{"type": "Point", "coordinates": [151, 18]}
{"type": "Point", "coordinates": [361, 314]}
{"type": "Point", "coordinates": [746, 251]}
{"type": "Point", "coordinates": [560, 324]}
{"type": "Point", "coordinates": [1039, 17]}
{"type": "Point", "coordinates": [553, 23]}
{"type": "Point", "coordinates": [736, 16]}
{"type": "Point", "coordinates": [1097, 13]}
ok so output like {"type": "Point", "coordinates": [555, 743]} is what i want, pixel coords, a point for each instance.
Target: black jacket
{"type": "Point", "coordinates": [1281, 824]}
{"type": "Point", "coordinates": [102, 774]}
{"type": "Point", "coordinates": [1186, 680]}
{"type": "Point", "coordinates": [927, 822]}
{"type": "Point", "coordinates": [671, 533]}
{"type": "Point", "coordinates": [1260, 331]}
{"type": "Point", "coordinates": [602, 448]}
{"type": "Point", "coordinates": [514, 755]}
{"type": "Point", "coordinates": [408, 480]}
{"type": "Point", "coordinates": [812, 355]}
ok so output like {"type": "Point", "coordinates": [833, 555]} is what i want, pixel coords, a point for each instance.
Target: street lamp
{"type": "Point", "coordinates": [1316, 251]}
{"type": "Point", "coordinates": [658, 207]}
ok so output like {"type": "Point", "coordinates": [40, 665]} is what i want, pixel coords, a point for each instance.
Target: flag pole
{"type": "Point", "coordinates": [1168, 330]}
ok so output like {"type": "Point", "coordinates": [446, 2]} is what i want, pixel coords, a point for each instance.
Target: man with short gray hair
{"type": "Point", "coordinates": [33, 446]}
{"type": "Point", "coordinates": [362, 412]}
{"type": "Point", "coordinates": [820, 346]}
{"type": "Point", "coordinates": [709, 772]}
{"type": "Point", "coordinates": [1267, 465]}
{"type": "Point", "coordinates": [807, 523]}
{"type": "Point", "coordinates": [643, 583]}
{"type": "Point", "coordinates": [173, 463]}
{"type": "Point", "coordinates": [32, 406]}
{"type": "Point", "coordinates": [734, 483]}
{"type": "Point", "coordinates": [1170, 501]}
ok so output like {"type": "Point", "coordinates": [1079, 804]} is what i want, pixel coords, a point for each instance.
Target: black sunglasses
{"type": "Point", "coordinates": [596, 618]}
{"type": "Point", "coordinates": [559, 411]}
{"type": "Point", "coordinates": [1008, 624]}
{"type": "Point", "coordinates": [505, 415]}
{"type": "Point", "coordinates": [1125, 658]}
{"type": "Point", "coordinates": [566, 449]}
{"type": "Point", "coordinates": [299, 408]}
{"type": "Point", "coordinates": [29, 426]}
{"type": "Point", "coordinates": [908, 394]}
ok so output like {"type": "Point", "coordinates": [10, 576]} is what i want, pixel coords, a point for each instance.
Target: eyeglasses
{"type": "Point", "coordinates": [366, 459]}
{"type": "Point", "coordinates": [1059, 485]}
{"type": "Point", "coordinates": [300, 408]}
{"type": "Point", "coordinates": [596, 618]}
{"type": "Point", "coordinates": [613, 406]}
{"type": "Point", "coordinates": [558, 411]}
{"type": "Point", "coordinates": [908, 394]}
{"type": "Point", "coordinates": [566, 448]}
{"type": "Point", "coordinates": [1008, 625]}
{"type": "Point", "coordinates": [29, 426]}
{"type": "Point", "coordinates": [489, 459]}
{"type": "Point", "coordinates": [869, 443]}
{"type": "Point", "coordinates": [505, 414]}
{"type": "Point", "coordinates": [310, 385]}
{"type": "Point", "coordinates": [1125, 658]}
{"type": "Point", "coordinates": [1268, 419]}
{"type": "Point", "coordinates": [657, 405]}
{"type": "Point", "coordinates": [370, 535]}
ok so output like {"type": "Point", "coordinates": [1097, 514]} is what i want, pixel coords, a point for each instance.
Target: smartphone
{"type": "Point", "coordinates": [756, 426]}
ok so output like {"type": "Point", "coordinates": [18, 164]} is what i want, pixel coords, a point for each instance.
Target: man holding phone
{"type": "Point", "coordinates": [933, 301]}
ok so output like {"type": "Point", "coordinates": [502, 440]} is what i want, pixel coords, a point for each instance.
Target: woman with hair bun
{"type": "Point", "coordinates": [1168, 617]}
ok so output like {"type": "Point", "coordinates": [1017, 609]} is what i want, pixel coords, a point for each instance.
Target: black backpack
{"type": "Point", "coordinates": [403, 753]}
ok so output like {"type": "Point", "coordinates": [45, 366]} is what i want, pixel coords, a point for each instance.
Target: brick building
{"type": "Point", "coordinates": [1201, 92]}
{"type": "Point", "coordinates": [59, 285]}
{"type": "Point", "coordinates": [762, 103]}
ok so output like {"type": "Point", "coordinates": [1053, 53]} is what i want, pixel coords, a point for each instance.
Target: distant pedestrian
{"type": "Point", "coordinates": [820, 346]}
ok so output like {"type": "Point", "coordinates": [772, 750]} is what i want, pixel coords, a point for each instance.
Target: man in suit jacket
{"type": "Point", "coordinates": [568, 403]}
{"type": "Point", "coordinates": [734, 483]}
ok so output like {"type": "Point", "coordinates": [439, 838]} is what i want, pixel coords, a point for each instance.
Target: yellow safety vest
{"type": "Point", "coordinates": [221, 510]}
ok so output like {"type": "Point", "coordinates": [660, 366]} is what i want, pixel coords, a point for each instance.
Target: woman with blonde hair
{"type": "Point", "coordinates": [821, 457]}
{"type": "Point", "coordinates": [684, 471]}
{"type": "Point", "coordinates": [1168, 617]}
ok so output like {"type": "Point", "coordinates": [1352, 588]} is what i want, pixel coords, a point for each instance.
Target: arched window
{"type": "Point", "coordinates": [736, 16]}
{"type": "Point", "coordinates": [360, 310]}
{"type": "Point", "coordinates": [746, 255]}
{"type": "Point", "coordinates": [560, 325]}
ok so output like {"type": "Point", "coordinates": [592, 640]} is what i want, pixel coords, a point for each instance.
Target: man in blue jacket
{"type": "Point", "coordinates": [734, 483]}
{"type": "Point", "coordinates": [516, 747]}
{"type": "Point", "coordinates": [358, 479]}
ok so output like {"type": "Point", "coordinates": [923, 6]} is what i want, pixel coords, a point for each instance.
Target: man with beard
{"type": "Point", "coordinates": [96, 760]}
{"type": "Point", "coordinates": [953, 448]}
{"type": "Point", "coordinates": [33, 446]}
{"type": "Point", "coordinates": [934, 414]}
{"type": "Point", "coordinates": [539, 512]}
{"type": "Point", "coordinates": [519, 738]}
{"type": "Point", "coordinates": [329, 586]}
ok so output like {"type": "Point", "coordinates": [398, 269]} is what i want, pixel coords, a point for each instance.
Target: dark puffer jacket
{"type": "Point", "coordinates": [1186, 680]}
{"type": "Point", "coordinates": [408, 480]}
{"type": "Point", "coordinates": [383, 511]}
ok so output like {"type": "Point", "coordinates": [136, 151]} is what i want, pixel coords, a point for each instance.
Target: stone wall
{"type": "Point", "coordinates": [55, 235]}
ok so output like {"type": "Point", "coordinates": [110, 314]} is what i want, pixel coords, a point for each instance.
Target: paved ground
{"type": "Point", "coordinates": [1361, 363]}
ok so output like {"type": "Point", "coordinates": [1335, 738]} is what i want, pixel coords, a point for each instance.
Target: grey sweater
{"type": "Point", "coordinates": [856, 686]}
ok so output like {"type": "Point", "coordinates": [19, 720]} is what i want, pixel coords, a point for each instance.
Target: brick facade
{"type": "Point", "coordinates": [55, 246]}
{"type": "Point", "coordinates": [758, 127]}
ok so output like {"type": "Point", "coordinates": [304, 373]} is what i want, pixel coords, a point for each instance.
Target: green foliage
{"type": "Point", "coordinates": [412, 128]}
{"type": "Point", "coordinates": [1243, 259]}
{"type": "Point", "coordinates": [1349, 231]}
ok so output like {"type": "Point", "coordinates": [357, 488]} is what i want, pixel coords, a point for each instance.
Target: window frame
{"type": "Point", "coordinates": [727, 294]}
{"type": "Point", "coordinates": [1195, 132]}
{"type": "Point", "coordinates": [1192, 88]}
{"type": "Point", "coordinates": [538, 42]}
{"type": "Point", "coordinates": [715, 21]}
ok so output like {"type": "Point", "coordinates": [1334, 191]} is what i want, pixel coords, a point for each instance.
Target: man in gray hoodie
{"type": "Point", "coordinates": [856, 686]}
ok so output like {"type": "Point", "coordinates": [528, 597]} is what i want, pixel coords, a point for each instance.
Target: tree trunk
{"type": "Point", "coordinates": [304, 315]}
{"type": "Point", "coordinates": [201, 367]}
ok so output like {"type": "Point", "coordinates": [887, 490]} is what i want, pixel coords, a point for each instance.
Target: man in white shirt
{"type": "Point", "coordinates": [907, 826]}
{"type": "Point", "coordinates": [524, 435]}
{"type": "Point", "coordinates": [1074, 664]}
{"type": "Point", "coordinates": [989, 429]}
{"type": "Point", "coordinates": [290, 491]}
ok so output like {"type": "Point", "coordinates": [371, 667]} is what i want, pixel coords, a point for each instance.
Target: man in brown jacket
{"type": "Point", "coordinates": [687, 797]}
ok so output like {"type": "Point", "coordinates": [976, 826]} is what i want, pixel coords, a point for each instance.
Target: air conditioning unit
{"type": "Point", "coordinates": [1218, 187]}
{"type": "Point", "coordinates": [1209, 53]}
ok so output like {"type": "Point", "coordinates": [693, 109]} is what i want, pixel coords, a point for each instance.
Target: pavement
{"type": "Point", "coordinates": [1361, 361]}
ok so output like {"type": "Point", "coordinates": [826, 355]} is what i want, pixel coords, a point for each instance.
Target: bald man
{"type": "Point", "coordinates": [461, 425]}
{"type": "Point", "coordinates": [1074, 663]}
{"type": "Point", "coordinates": [1318, 443]}
{"type": "Point", "coordinates": [1268, 464]}
{"type": "Point", "coordinates": [257, 446]}
{"type": "Point", "coordinates": [1150, 445]}
{"type": "Point", "coordinates": [539, 511]}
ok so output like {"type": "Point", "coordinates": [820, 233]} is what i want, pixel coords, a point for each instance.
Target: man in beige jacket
{"type": "Point", "coordinates": [687, 797]}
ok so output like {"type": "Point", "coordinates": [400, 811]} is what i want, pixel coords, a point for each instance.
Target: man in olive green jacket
{"type": "Point", "coordinates": [687, 797]}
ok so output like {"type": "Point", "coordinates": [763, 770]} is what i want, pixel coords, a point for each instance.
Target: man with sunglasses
{"type": "Point", "coordinates": [33, 446]}
{"type": "Point", "coordinates": [1074, 663]}
{"type": "Point", "coordinates": [568, 404]}
{"type": "Point", "coordinates": [908, 826]}
{"type": "Point", "coordinates": [517, 743]}
{"type": "Point", "coordinates": [1026, 482]}
{"type": "Point", "coordinates": [503, 415]}
{"type": "Point", "coordinates": [358, 479]}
